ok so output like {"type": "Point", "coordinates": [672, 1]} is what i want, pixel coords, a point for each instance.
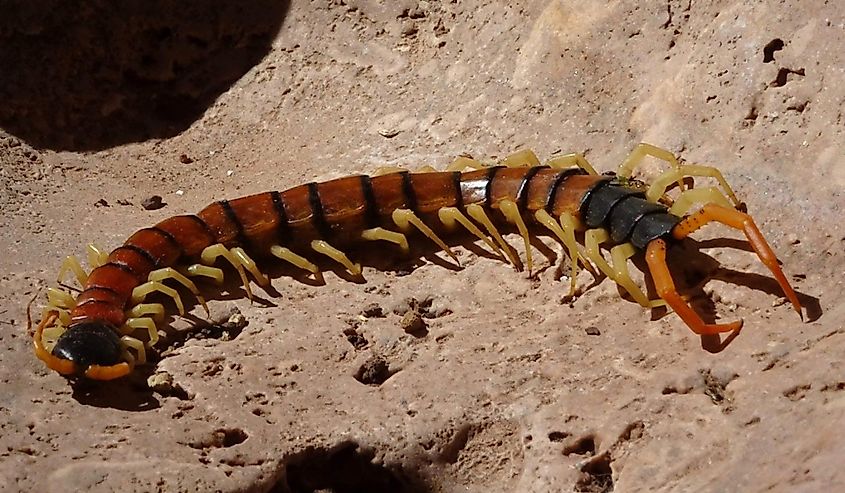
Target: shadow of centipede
{"type": "Point", "coordinates": [90, 77]}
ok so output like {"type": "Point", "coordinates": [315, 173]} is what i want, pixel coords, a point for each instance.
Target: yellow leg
{"type": "Point", "coordinates": [62, 315]}
{"type": "Point", "coordinates": [333, 253]}
{"type": "Point", "coordinates": [386, 170]}
{"type": "Point", "coordinates": [141, 292]}
{"type": "Point", "coordinates": [659, 186]}
{"type": "Point", "coordinates": [210, 254]}
{"type": "Point", "coordinates": [570, 160]}
{"type": "Point", "coordinates": [450, 216]}
{"type": "Point", "coordinates": [148, 325]}
{"type": "Point", "coordinates": [156, 310]}
{"type": "Point", "coordinates": [405, 218]}
{"type": "Point", "coordinates": [476, 212]}
{"type": "Point", "coordinates": [620, 255]}
{"type": "Point", "coordinates": [521, 159]}
{"type": "Point", "coordinates": [297, 260]}
{"type": "Point", "coordinates": [71, 263]}
{"type": "Point", "coordinates": [463, 162]}
{"type": "Point", "coordinates": [567, 237]}
{"type": "Point", "coordinates": [570, 225]}
{"type": "Point", "coordinates": [251, 266]}
{"type": "Point", "coordinates": [511, 212]}
{"type": "Point", "coordinates": [138, 346]}
{"type": "Point", "coordinates": [626, 169]}
{"type": "Point", "coordinates": [426, 169]}
{"type": "Point", "coordinates": [51, 334]}
{"type": "Point", "coordinates": [375, 234]}
{"type": "Point", "coordinates": [160, 275]}
{"type": "Point", "coordinates": [688, 198]}
{"type": "Point", "coordinates": [592, 239]}
{"type": "Point", "coordinates": [96, 256]}
{"type": "Point", "coordinates": [206, 271]}
{"type": "Point", "coordinates": [60, 299]}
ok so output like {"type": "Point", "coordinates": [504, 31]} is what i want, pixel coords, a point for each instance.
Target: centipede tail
{"type": "Point", "coordinates": [96, 334]}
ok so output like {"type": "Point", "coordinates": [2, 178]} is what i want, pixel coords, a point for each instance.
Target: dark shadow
{"type": "Point", "coordinates": [93, 75]}
{"type": "Point", "coordinates": [345, 468]}
{"type": "Point", "coordinates": [130, 393]}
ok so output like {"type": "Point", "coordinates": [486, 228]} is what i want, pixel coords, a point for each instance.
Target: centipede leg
{"type": "Point", "coordinates": [426, 169]}
{"type": "Point", "coordinates": [570, 160]}
{"type": "Point", "coordinates": [463, 162]}
{"type": "Point", "coordinates": [213, 273]}
{"type": "Point", "coordinates": [60, 299]}
{"type": "Point", "coordinates": [141, 292]}
{"type": "Point", "coordinates": [640, 152]}
{"type": "Point", "coordinates": [592, 239]}
{"type": "Point", "coordinates": [664, 181]}
{"type": "Point", "coordinates": [521, 159]}
{"type": "Point", "coordinates": [251, 266]}
{"type": "Point", "coordinates": [620, 255]}
{"type": "Point", "coordinates": [145, 323]}
{"type": "Point", "coordinates": [741, 221]}
{"type": "Point", "coordinates": [451, 216]}
{"type": "Point", "coordinates": [170, 273]}
{"type": "Point", "coordinates": [684, 202]}
{"type": "Point", "coordinates": [656, 259]}
{"type": "Point", "coordinates": [155, 310]}
{"type": "Point", "coordinates": [297, 260]}
{"type": "Point", "coordinates": [404, 219]}
{"type": "Point", "coordinates": [375, 234]}
{"type": "Point", "coordinates": [567, 237]}
{"type": "Point", "coordinates": [321, 246]}
{"type": "Point", "coordinates": [96, 256]}
{"type": "Point", "coordinates": [386, 170]}
{"type": "Point", "coordinates": [138, 346]}
{"type": "Point", "coordinates": [476, 212]}
{"type": "Point", "coordinates": [71, 263]}
{"type": "Point", "coordinates": [210, 255]}
{"type": "Point", "coordinates": [512, 214]}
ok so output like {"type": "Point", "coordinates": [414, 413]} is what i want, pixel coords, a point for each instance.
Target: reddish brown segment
{"type": "Point", "coordinates": [336, 211]}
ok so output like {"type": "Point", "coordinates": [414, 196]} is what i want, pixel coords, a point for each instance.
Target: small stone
{"type": "Point", "coordinates": [413, 323]}
{"type": "Point", "coordinates": [184, 159]}
{"type": "Point", "coordinates": [101, 203]}
{"type": "Point", "coordinates": [592, 331]}
{"type": "Point", "coordinates": [388, 133]}
{"type": "Point", "coordinates": [409, 29]}
{"type": "Point", "coordinates": [153, 203]}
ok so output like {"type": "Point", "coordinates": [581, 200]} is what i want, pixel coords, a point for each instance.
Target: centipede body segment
{"type": "Point", "coordinates": [105, 330]}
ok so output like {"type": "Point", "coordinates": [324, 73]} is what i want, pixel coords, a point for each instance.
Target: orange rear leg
{"type": "Point", "coordinates": [656, 258]}
{"type": "Point", "coordinates": [739, 220]}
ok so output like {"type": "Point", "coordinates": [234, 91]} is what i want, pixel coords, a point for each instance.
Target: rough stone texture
{"type": "Point", "coordinates": [507, 390]}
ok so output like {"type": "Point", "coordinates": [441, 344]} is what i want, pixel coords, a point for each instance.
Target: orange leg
{"type": "Point", "coordinates": [739, 220]}
{"type": "Point", "coordinates": [656, 258]}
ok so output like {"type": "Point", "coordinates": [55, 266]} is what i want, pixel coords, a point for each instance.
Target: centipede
{"type": "Point", "coordinates": [104, 331]}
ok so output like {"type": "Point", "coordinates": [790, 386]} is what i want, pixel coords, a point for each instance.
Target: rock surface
{"type": "Point", "coordinates": [508, 389]}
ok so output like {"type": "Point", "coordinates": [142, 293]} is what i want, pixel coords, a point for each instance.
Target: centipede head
{"type": "Point", "coordinates": [89, 349]}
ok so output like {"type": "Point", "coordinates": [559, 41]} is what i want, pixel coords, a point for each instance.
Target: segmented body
{"type": "Point", "coordinates": [330, 216]}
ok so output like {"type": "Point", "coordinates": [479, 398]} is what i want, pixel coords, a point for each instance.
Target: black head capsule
{"type": "Point", "coordinates": [89, 343]}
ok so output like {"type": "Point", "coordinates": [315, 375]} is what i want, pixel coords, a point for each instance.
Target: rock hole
{"type": "Point", "coordinates": [558, 436]}
{"type": "Point", "coordinates": [784, 76]}
{"type": "Point", "coordinates": [584, 446]}
{"type": "Point", "coordinates": [375, 371]}
{"type": "Point", "coordinates": [596, 476]}
{"type": "Point", "coordinates": [345, 469]}
{"type": "Point", "coordinates": [452, 450]}
{"type": "Point", "coordinates": [770, 49]}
